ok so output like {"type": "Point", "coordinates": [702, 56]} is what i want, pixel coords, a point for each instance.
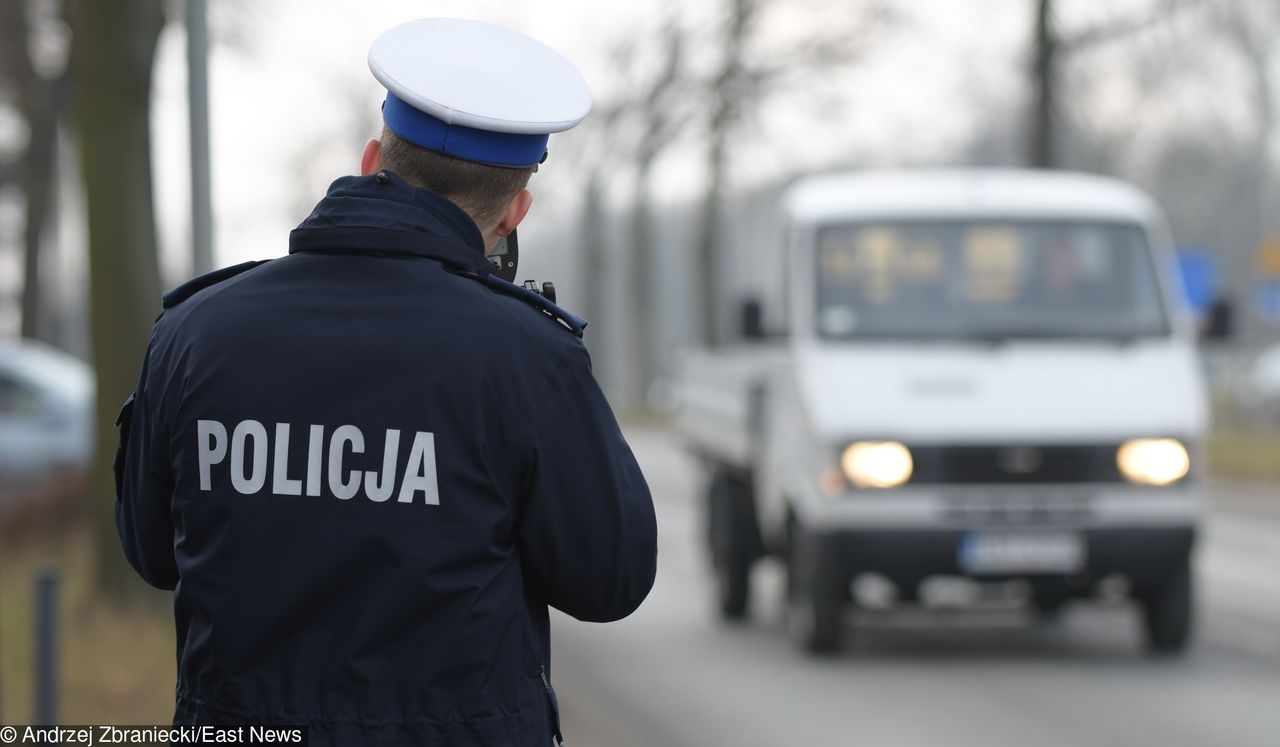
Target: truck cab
{"type": "Point", "coordinates": [980, 374]}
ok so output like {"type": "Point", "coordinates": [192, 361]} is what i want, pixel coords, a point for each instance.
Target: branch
{"type": "Point", "coordinates": [660, 115]}
{"type": "Point", "coordinates": [1119, 29]}
{"type": "Point", "coordinates": [1250, 29]}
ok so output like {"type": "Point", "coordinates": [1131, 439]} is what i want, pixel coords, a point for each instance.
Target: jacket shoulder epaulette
{"type": "Point", "coordinates": [568, 320]}
{"type": "Point", "coordinates": [200, 282]}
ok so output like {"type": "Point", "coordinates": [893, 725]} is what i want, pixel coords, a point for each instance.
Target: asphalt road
{"type": "Point", "coordinates": [671, 675]}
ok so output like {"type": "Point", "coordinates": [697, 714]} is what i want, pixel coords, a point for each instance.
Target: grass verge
{"type": "Point", "coordinates": [1246, 455]}
{"type": "Point", "coordinates": [115, 662]}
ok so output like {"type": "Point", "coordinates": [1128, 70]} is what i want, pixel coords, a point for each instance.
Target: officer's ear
{"type": "Point", "coordinates": [517, 209]}
{"type": "Point", "coordinates": [371, 161]}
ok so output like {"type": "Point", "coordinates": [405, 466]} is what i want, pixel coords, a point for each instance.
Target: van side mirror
{"type": "Point", "coordinates": [751, 320]}
{"type": "Point", "coordinates": [1220, 321]}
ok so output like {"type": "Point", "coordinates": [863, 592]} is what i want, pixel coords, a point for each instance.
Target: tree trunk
{"type": "Point", "coordinates": [658, 124]}
{"type": "Point", "coordinates": [1265, 108]}
{"type": "Point", "coordinates": [1241, 265]}
{"type": "Point", "coordinates": [39, 179]}
{"type": "Point", "coordinates": [728, 92]}
{"type": "Point", "coordinates": [708, 243]}
{"type": "Point", "coordinates": [38, 104]}
{"type": "Point", "coordinates": [1041, 139]}
{"type": "Point", "coordinates": [593, 276]}
{"type": "Point", "coordinates": [642, 308]}
{"type": "Point", "coordinates": [111, 57]}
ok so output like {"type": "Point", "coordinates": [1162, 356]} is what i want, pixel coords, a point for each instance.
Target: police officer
{"type": "Point", "coordinates": [369, 467]}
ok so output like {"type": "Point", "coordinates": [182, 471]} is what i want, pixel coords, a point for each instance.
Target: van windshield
{"type": "Point", "coordinates": [953, 280]}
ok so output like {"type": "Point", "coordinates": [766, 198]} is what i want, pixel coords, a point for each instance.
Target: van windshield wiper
{"type": "Point", "coordinates": [1012, 334]}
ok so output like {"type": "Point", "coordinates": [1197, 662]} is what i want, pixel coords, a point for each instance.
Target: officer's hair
{"type": "Point", "coordinates": [483, 191]}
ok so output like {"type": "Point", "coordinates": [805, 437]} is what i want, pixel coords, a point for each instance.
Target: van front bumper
{"type": "Point", "coordinates": [1028, 506]}
{"type": "Point", "coordinates": [1143, 555]}
{"type": "Point", "coordinates": [909, 534]}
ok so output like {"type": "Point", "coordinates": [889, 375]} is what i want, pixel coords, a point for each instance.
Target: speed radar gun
{"type": "Point", "coordinates": [505, 258]}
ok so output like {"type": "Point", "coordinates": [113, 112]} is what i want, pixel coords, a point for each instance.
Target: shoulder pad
{"type": "Point", "coordinates": [569, 321]}
{"type": "Point", "coordinates": [199, 283]}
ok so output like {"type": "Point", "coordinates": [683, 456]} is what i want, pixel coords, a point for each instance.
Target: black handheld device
{"type": "Point", "coordinates": [505, 258]}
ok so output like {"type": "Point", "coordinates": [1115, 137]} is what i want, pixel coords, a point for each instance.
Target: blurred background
{"type": "Point", "coordinates": [143, 142]}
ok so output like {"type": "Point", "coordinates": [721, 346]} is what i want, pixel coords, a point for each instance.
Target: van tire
{"type": "Point", "coordinates": [730, 530]}
{"type": "Point", "coordinates": [815, 603]}
{"type": "Point", "coordinates": [1167, 613]}
{"type": "Point", "coordinates": [814, 620]}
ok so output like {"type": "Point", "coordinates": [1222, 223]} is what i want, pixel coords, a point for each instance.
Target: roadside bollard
{"type": "Point", "coordinates": [46, 645]}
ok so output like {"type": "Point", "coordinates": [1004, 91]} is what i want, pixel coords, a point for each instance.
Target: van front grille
{"type": "Point", "coordinates": [1019, 464]}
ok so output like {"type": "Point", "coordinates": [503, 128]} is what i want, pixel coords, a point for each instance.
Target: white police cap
{"type": "Point", "coordinates": [476, 91]}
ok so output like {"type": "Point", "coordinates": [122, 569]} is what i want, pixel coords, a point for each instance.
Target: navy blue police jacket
{"type": "Point", "coordinates": [367, 469]}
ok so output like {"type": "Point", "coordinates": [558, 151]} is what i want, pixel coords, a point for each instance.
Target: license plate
{"type": "Point", "coordinates": [1008, 552]}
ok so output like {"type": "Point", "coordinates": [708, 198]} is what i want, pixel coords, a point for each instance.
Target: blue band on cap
{"type": "Point", "coordinates": [467, 143]}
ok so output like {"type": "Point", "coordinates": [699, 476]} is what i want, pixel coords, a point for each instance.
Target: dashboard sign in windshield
{"type": "Point", "coordinates": [986, 279]}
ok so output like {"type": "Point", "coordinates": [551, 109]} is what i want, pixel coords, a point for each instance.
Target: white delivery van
{"type": "Point", "coordinates": [978, 374]}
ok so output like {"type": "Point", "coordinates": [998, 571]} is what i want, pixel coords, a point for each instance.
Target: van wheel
{"type": "Point", "coordinates": [730, 535]}
{"type": "Point", "coordinates": [1167, 613]}
{"type": "Point", "coordinates": [814, 620]}
{"type": "Point", "coordinates": [815, 603]}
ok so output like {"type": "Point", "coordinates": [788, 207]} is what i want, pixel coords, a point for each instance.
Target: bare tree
{"type": "Point", "coordinates": [590, 159]}
{"type": "Point", "coordinates": [729, 90]}
{"type": "Point", "coordinates": [40, 98]}
{"type": "Point", "coordinates": [112, 52]}
{"type": "Point", "coordinates": [592, 237]}
{"type": "Point", "coordinates": [742, 81]}
{"type": "Point", "coordinates": [640, 126]}
{"type": "Point", "coordinates": [1251, 27]}
{"type": "Point", "coordinates": [1044, 77]}
{"type": "Point", "coordinates": [673, 97]}
{"type": "Point", "coordinates": [1052, 47]}
{"type": "Point", "coordinates": [659, 119]}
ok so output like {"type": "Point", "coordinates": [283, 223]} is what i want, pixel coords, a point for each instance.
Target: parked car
{"type": "Point", "coordinates": [46, 412]}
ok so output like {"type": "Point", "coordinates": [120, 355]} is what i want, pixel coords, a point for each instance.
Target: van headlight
{"type": "Point", "coordinates": [877, 464]}
{"type": "Point", "coordinates": [1153, 461]}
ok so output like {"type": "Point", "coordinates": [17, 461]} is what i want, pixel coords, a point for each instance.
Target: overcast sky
{"type": "Point", "coordinates": [292, 100]}
{"type": "Point", "coordinates": [293, 71]}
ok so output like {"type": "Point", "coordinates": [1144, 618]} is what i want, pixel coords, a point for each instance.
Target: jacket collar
{"type": "Point", "coordinates": [384, 214]}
